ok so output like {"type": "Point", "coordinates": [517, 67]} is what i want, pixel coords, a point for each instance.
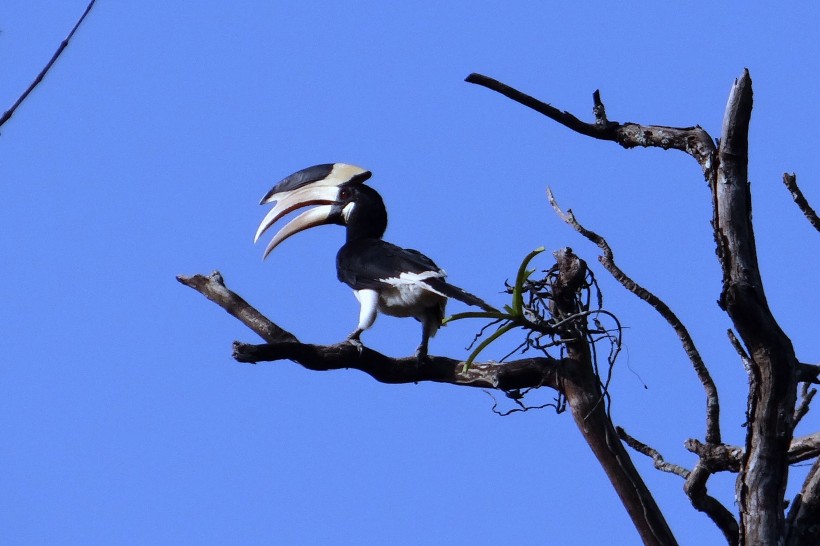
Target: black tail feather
{"type": "Point", "coordinates": [443, 287]}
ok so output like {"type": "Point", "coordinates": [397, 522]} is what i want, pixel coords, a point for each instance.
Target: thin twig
{"type": "Point", "coordinates": [10, 112]}
{"type": "Point", "coordinates": [744, 356]}
{"type": "Point", "coordinates": [802, 408]}
{"type": "Point", "coordinates": [608, 261]}
{"type": "Point", "coordinates": [790, 180]}
{"type": "Point", "coordinates": [521, 406]}
{"type": "Point", "coordinates": [652, 453]}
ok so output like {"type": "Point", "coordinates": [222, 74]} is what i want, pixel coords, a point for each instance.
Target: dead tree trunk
{"type": "Point", "coordinates": [768, 354]}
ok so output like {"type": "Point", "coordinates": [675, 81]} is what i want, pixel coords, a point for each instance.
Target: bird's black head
{"type": "Point", "coordinates": [342, 198]}
{"type": "Point", "coordinates": [362, 210]}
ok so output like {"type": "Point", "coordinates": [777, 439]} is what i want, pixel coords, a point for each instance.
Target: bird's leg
{"type": "Point", "coordinates": [369, 300]}
{"type": "Point", "coordinates": [426, 331]}
{"type": "Point", "coordinates": [421, 352]}
{"type": "Point", "coordinates": [354, 340]}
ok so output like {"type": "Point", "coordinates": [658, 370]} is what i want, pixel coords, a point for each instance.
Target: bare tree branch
{"type": "Point", "coordinates": [10, 112]}
{"type": "Point", "coordinates": [213, 287]}
{"type": "Point", "coordinates": [808, 373]}
{"type": "Point", "coordinates": [652, 453]}
{"type": "Point", "coordinates": [724, 457]}
{"type": "Point", "coordinates": [790, 180]}
{"type": "Point", "coordinates": [283, 345]}
{"type": "Point", "coordinates": [608, 261]}
{"type": "Point", "coordinates": [804, 448]}
{"type": "Point", "coordinates": [692, 140]}
{"type": "Point", "coordinates": [806, 396]}
{"type": "Point", "coordinates": [695, 489]}
{"type": "Point", "coordinates": [517, 374]}
{"type": "Point", "coordinates": [582, 388]}
{"type": "Point", "coordinates": [744, 356]}
{"type": "Point", "coordinates": [716, 457]}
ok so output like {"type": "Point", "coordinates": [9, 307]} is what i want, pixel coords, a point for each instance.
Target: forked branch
{"type": "Point", "coordinates": [694, 487]}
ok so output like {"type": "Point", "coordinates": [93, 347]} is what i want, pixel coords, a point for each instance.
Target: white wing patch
{"type": "Point", "coordinates": [408, 296]}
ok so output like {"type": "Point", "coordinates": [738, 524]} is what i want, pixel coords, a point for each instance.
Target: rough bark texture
{"type": "Point", "coordinates": [586, 401]}
{"type": "Point", "coordinates": [764, 472]}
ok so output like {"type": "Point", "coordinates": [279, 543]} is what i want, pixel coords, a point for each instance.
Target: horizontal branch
{"type": "Point", "coordinates": [724, 457]}
{"type": "Point", "coordinates": [804, 448]}
{"type": "Point", "coordinates": [518, 374]}
{"type": "Point", "coordinates": [808, 373]}
{"type": "Point", "coordinates": [716, 457]}
{"type": "Point", "coordinates": [695, 141]}
{"type": "Point", "coordinates": [283, 345]}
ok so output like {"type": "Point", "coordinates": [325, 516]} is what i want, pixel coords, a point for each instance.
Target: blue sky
{"type": "Point", "coordinates": [145, 151]}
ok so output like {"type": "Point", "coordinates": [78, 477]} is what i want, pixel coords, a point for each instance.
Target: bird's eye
{"type": "Point", "coordinates": [344, 193]}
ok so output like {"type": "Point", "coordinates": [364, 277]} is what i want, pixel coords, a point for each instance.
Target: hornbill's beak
{"type": "Point", "coordinates": [318, 185]}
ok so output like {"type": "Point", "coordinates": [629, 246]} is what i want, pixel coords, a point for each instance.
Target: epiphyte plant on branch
{"type": "Point", "coordinates": [384, 277]}
{"type": "Point", "coordinates": [546, 322]}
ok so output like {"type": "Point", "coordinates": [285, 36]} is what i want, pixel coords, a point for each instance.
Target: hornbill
{"type": "Point", "coordinates": [384, 277]}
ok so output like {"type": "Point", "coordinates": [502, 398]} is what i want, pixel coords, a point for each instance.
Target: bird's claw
{"type": "Point", "coordinates": [356, 343]}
